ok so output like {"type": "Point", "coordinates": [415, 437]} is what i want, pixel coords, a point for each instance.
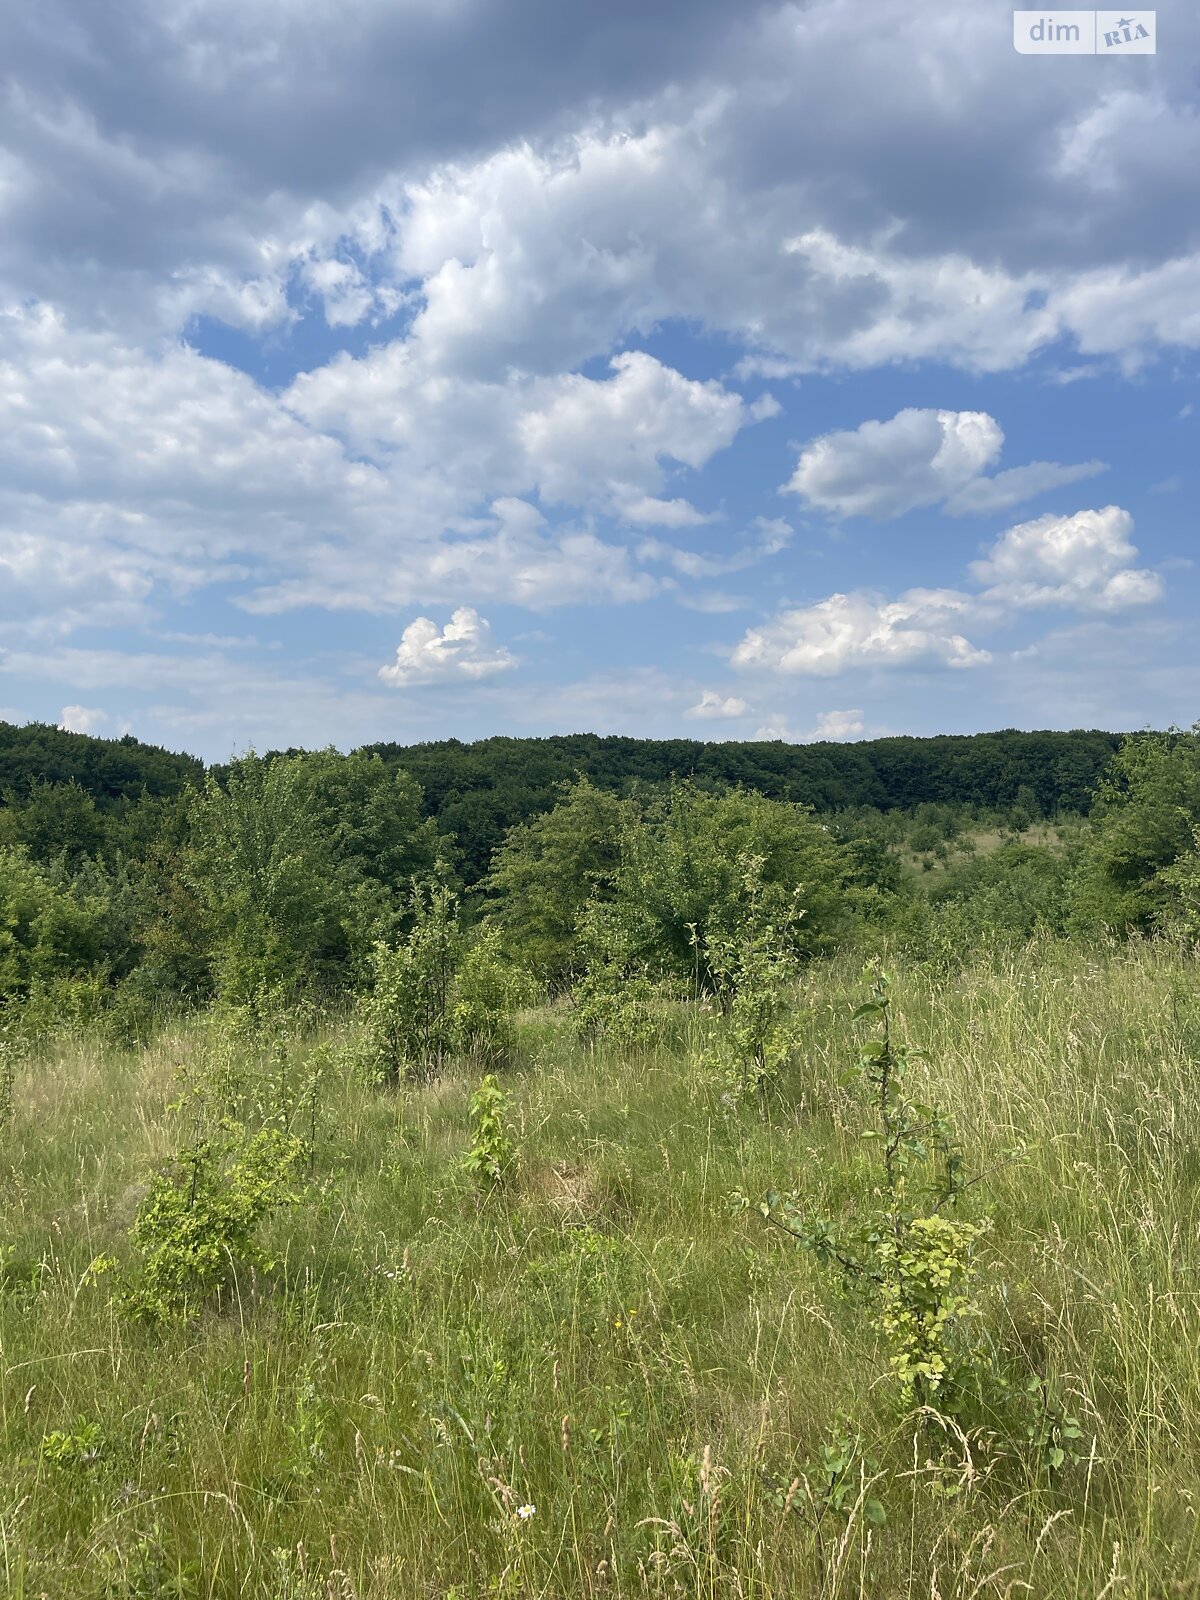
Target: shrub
{"type": "Point", "coordinates": [438, 994]}
{"type": "Point", "coordinates": [755, 973]}
{"type": "Point", "coordinates": [493, 1152]}
{"type": "Point", "coordinates": [913, 1264]}
{"type": "Point", "coordinates": [198, 1225]}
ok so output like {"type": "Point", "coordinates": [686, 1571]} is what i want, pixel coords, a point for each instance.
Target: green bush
{"type": "Point", "coordinates": [198, 1225]}
{"type": "Point", "coordinates": [1133, 872]}
{"type": "Point", "coordinates": [438, 994]}
{"type": "Point", "coordinates": [52, 944]}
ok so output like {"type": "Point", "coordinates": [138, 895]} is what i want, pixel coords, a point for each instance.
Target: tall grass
{"type": "Point", "coordinates": [603, 1340]}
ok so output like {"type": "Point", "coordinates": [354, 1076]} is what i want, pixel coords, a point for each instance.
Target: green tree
{"type": "Point", "coordinates": [548, 870]}
{"type": "Point", "coordinates": [50, 936]}
{"type": "Point", "coordinates": [370, 817]}
{"type": "Point", "coordinates": [299, 863]}
{"type": "Point", "coordinates": [53, 822]}
{"type": "Point", "coordinates": [681, 883]}
{"type": "Point", "coordinates": [1148, 807]}
{"type": "Point", "coordinates": [265, 873]}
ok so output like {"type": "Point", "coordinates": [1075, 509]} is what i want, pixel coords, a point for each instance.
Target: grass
{"type": "Point", "coordinates": [982, 842]}
{"type": "Point", "coordinates": [604, 1341]}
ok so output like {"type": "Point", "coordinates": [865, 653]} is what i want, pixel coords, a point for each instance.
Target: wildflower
{"type": "Point", "coordinates": [526, 1511]}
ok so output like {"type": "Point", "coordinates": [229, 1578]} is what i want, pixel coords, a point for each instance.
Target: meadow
{"type": "Point", "coordinates": [601, 1375]}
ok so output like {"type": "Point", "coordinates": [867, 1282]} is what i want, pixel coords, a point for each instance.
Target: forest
{"type": "Point", "coordinates": [592, 1166]}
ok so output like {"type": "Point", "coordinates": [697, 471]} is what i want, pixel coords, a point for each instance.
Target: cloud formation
{"type": "Point", "coordinates": [921, 458]}
{"type": "Point", "coordinates": [883, 469]}
{"type": "Point", "coordinates": [83, 719]}
{"type": "Point", "coordinates": [712, 705]}
{"type": "Point", "coordinates": [462, 650]}
{"type": "Point", "coordinates": [1080, 562]}
{"type": "Point", "coordinates": [286, 326]}
{"type": "Point", "coordinates": [862, 629]}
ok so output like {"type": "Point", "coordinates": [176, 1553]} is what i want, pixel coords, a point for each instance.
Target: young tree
{"type": "Point", "coordinates": [1147, 810]}
{"type": "Point", "coordinates": [682, 878]}
{"type": "Point", "coordinates": [50, 936]}
{"type": "Point", "coordinates": [548, 870]}
{"type": "Point", "coordinates": [265, 872]}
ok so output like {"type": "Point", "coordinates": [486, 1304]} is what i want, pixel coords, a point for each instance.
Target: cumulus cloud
{"type": "Point", "coordinates": [839, 725]}
{"type": "Point", "coordinates": [82, 719]}
{"type": "Point", "coordinates": [462, 650]}
{"type": "Point", "coordinates": [129, 475]}
{"type": "Point", "coordinates": [862, 629]}
{"type": "Point", "coordinates": [615, 434]}
{"type": "Point", "coordinates": [346, 295]}
{"type": "Point", "coordinates": [584, 181]}
{"type": "Point", "coordinates": [831, 726]}
{"type": "Point", "coordinates": [1082, 561]}
{"type": "Point", "coordinates": [883, 469]}
{"type": "Point", "coordinates": [639, 175]}
{"type": "Point", "coordinates": [921, 458]}
{"type": "Point", "coordinates": [605, 444]}
{"type": "Point", "coordinates": [713, 706]}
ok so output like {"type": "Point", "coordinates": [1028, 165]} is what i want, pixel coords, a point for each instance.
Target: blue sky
{"type": "Point", "coordinates": [403, 370]}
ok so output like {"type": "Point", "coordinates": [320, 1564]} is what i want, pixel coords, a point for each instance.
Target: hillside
{"type": "Point", "coordinates": [477, 791]}
{"type": "Point", "coordinates": [108, 769]}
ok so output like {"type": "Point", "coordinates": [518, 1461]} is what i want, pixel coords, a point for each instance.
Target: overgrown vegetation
{"type": "Point", "coordinates": [368, 1230]}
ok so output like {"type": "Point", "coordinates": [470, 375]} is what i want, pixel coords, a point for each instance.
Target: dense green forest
{"type": "Point", "coordinates": [703, 1191]}
{"type": "Point", "coordinates": [476, 792]}
{"type": "Point", "coordinates": [107, 769]}
{"type": "Point", "coordinates": [136, 882]}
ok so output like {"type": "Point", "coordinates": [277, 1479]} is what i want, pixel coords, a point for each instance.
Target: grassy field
{"type": "Point", "coordinates": [977, 842]}
{"type": "Point", "coordinates": [604, 1340]}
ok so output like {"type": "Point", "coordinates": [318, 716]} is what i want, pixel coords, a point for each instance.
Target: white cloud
{"type": "Point", "coordinates": [1131, 313]}
{"type": "Point", "coordinates": [862, 629]}
{"type": "Point", "coordinates": [839, 725]}
{"type": "Point", "coordinates": [713, 706]}
{"type": "Point", "coordinates": [131, 474]}
{"type": "Point", "coordinates": [1083, 561]}
{"type": "Point", "coordinates": [588, 188]}
{"type": "Point", "coordinates": [462, 650]}
{"type": "Point", "coordinates": [591, 179]}
{"type": "Point", "coordinates": [1005, 489]}
{"type": "Point", "coordinates": [772, 534]}
{"type": "Point", "coordinates": [883, 469]}
{"type": "Point", "coordinates": [82, 719]}
{"type": "Point", "coordinates": [346, 295]}
{"type": "Point", "coordinates": [921, 458]}
{"type": "Point", "coordinates": [830, 726]}
{"type": "Point", "coordinates": [664, 513]}
{"type": "Point", "coordinates": [616, 433]}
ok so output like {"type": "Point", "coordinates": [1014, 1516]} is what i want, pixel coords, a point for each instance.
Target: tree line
{"type": "Point", "coordinates": [133, 882]}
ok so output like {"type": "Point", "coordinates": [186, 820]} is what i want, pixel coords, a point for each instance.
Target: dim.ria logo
{"type": "Point", "coordinates": [1084, 33]}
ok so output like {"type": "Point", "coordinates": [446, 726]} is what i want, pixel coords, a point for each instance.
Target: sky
{"type": "Point", "coordinates": [407, 369]}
